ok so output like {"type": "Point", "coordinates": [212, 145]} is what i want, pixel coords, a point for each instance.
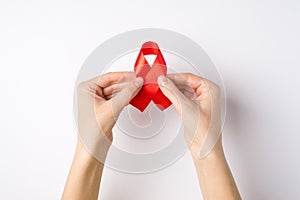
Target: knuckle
{"type": "Point", "coordinates": [105, 77]}
{"type": "Point", "coordinates": [108, 77]}
{"type": "Point", "coordinates": [187, 76]}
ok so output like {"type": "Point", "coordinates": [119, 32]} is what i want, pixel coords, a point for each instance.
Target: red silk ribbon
{"type": "Point", "coordinates": [150, 90]}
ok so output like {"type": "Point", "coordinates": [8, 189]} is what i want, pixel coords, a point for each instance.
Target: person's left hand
{"type": "Point", "coordinates": [100, 101]}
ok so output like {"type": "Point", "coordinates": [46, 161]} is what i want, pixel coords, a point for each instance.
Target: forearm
{"type": "Point", "coordinates": [84, 178]}
{"type": "Point", "coordinates": [215, 178]}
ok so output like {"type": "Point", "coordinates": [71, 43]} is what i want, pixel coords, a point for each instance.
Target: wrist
{"type": "Point", "coordinates": [83, 156]}
{"type": "Point", "coordinates": [215, 153]}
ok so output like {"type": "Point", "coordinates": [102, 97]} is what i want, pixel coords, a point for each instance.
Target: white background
{"type": "Point", "coordinates": [254, 44]}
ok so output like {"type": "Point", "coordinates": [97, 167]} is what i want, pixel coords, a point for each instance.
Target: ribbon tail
{"type": "Point", "coordinates": [141, 100]}
{"type": "Point", "coordinates": [161, 101]}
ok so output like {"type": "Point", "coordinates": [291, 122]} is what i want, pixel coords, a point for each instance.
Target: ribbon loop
{"type": "Point", "coordinates": [150, 90]}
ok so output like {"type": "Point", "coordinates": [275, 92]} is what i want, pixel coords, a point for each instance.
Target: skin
{"type": "Point", "coordinates": [196, 100]}
{"type": "Point", "coordinates": [95, 100]}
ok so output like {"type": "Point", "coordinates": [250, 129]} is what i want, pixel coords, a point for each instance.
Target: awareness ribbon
{"type": "Point", "coordinates": [150, 90]}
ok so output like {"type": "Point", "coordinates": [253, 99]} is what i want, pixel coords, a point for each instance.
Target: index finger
{"type": "Point", "coordinates": [187, 79]}
{"type": "Point", "coordinates": [111, 78]}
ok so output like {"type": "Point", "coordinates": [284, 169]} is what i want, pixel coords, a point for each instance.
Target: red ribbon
{"type": "Point", "coordinates": [150, 90]}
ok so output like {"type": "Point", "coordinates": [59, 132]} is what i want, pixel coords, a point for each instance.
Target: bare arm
{"type": "Point", "coordinates": [197, 101]}
{"type": "Point", "coordinates": [84, 178]}
{"type": "Point", "coordinates": [96, 117]}
{"type": "Point", "coordinates": [214, 175]}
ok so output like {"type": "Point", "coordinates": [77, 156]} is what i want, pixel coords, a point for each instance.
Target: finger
{"type": "Point", "coordinates": [198, 84]}
{"type": "Point", "coordinates": [110, 96]}
{"type": "Point", "coordinates": [185, 89]}
{"type": "Point", "coordinates": [187, 109]}
{"type": "Point", "coordinates": [123, 98]}
{"type": "Point", "coordinates": [173, 93]}
{"type": "Point", "coordinates": [188, 79]}
{"type": "Point", "coordinates": [188, 94]}
{"type": "Point", "coordinates": [114, 88]}
{"type": "Point", "coordinates": [111, 78]}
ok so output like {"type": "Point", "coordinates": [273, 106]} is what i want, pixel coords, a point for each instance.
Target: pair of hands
{"type": "Point", "coordinates": [101, 100]}
{"type": "Point", "coordinates": [197, 100]}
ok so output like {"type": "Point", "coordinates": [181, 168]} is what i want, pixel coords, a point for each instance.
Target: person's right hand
{"type": "Point", "coordinates": [197, 101]}
{"type": "Point", "coordinates": [100, 101]}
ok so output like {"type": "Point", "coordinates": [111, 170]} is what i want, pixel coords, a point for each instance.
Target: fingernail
{"type": "Point", "coordinates": [162, 80]}
{"type": "Point", "coordinates": [139, 81]}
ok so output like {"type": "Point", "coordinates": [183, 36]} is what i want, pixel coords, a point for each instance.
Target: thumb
{"type": "Point", "coordinates": [173, 93]}
{"type": "Point", "coordinates": [123, 98]}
